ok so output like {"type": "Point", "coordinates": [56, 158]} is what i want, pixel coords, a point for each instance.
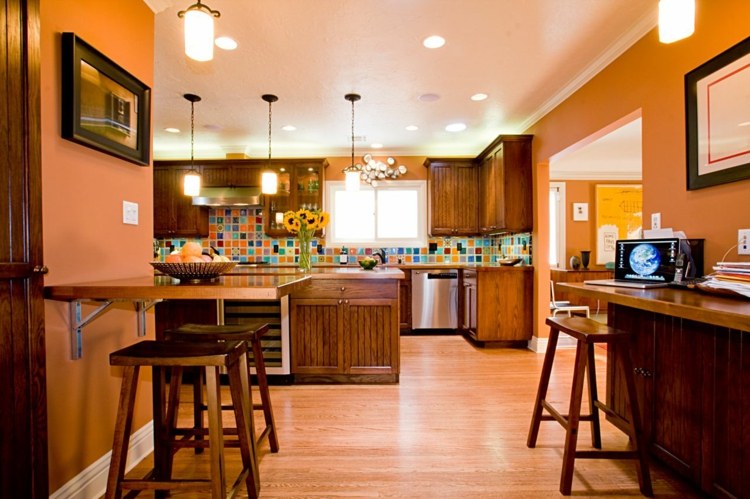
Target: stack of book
{"type": "Point", "coordinates": [730, 276]}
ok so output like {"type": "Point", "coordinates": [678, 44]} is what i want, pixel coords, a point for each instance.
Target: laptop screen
{"type": "Point", "coordinates": [646, 260]}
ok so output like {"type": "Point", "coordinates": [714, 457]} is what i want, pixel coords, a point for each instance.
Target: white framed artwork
{"type": "Point", "coordinates": [580, 212]}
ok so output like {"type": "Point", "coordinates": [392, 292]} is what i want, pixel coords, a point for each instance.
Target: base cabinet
{"type": "Point", "coordinates": [691, 380]}
{"type": "Point", "coordinates": [345, 331]}
{"type": "Point", "coordinates": [404, 300]}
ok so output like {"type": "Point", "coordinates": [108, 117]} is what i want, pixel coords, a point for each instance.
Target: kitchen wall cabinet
{"type": "Point", "coordinates": [497, 304]}
{"type": "Point", "coordinates": [174, 213]}
{"type": "Point", "coordinates": [453, 201]}
{"type": "Point", "coordinates": [505, 185]}
{"type": "Point", "coordinates": [345, 330]}
{"type": "Point", "coordinates": [229, 174]}
{"type": "Point", "coordinates": [300, 186]}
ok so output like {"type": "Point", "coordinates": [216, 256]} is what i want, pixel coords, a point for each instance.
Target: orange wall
{"type": "Point", "coordinates": [84, 237]}
{"type": "Point", "coordinates": [649, 77]}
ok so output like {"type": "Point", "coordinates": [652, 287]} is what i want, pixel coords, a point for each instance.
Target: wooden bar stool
{"type": "Point", "coordinates": [250, 333]}
{"type": "Point", "coordinates": [587, 332]}
{"type": "Point", "coordinates": [211, 356]}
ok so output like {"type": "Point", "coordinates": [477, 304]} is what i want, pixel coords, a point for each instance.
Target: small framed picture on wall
{"type": "Point", "coordinates": [580, 212]}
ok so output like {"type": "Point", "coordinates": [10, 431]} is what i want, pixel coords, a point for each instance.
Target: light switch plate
{"type": "Point", "coordinates": [129, 213]}
{"type": "Point", "coordinates": [655, 221]}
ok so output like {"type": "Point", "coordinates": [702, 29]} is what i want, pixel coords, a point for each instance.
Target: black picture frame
{"type": "Point", "coordinates": [103, 106]}
{"type": "Point", "coordinates": [717, 93]}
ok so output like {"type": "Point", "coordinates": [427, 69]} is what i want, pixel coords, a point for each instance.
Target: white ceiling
{"type": "Point", "coordinates": [528, 55]}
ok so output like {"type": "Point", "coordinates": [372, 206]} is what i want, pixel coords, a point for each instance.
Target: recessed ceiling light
{"type": "Point", "coordinates": [429, 97]}
{"type": "Point", "coordinates": [455, 127]}
{"type": "Point", "coordinates": [744, 123]}
{"type": "Point", "coordinates": [226, 43]}
{"type": "Point", "coordinates": [433, 42]}
{"type": "Point", "coordinates": [478, 97]}
{"type": "Point", "coordinates": [289, 128]}
{"type": "Point", "coordinates": [412, 128]}
{"type": "Point", "coordinates": [376, 145]}
{"type": "Point", "coordinates": [172, 130]}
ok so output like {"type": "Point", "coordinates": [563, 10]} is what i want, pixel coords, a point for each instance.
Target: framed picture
{"type": "Point", "coordinates": [103, 106]}
{"type": "Point", "coordinates": [580, 212]}
{"type": "Point", "coordinates": [717, 116]}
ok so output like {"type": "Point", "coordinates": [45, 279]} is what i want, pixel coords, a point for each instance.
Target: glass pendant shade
{"type": "Point", "coordinates": [191, 184]}
{"type": "Point", "coordinates": [676, 20]}
{"type": "Point", "coordinates": [352, 179]}
{"type": "Point", "coordinates": [199, 35]}
{"type": "Point", "coordinates": [269, 182]}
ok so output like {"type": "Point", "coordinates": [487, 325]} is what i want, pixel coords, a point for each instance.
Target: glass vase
{"type": "Point", "coordinates": [305, 260]}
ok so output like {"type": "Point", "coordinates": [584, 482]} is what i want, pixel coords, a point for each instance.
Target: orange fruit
{"type": "Point", "coordinates": [191, 248]}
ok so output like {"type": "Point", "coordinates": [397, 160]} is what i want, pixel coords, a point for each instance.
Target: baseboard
{"type": "Point", "coordinates": [91, 483]}
{"type": "Point", "coordinates": [539, 345]}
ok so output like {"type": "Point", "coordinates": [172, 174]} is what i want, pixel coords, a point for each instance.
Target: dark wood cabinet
{"type": "Point", "coordinates": [231, 174]}
{"type": "Point", "coordinates": [497, 304]}
{"type": "Point", "coordinates": [300, 186]}
{"type": "Point", "coordinates": [174, 213]}
{"type": "Point", "coordinates": [453, 201]}
{"type": "Point", "coordinates": [404, 301]}
{"type": "Point", "coordinates": [505, 187]}
{"type": "Point", "coordinates": [345, 330]}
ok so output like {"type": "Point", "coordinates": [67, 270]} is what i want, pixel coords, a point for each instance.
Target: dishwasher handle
{"type": "Point", "coordinates": [442, 275]}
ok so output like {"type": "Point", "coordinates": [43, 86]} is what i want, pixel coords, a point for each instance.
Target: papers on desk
{"type": "Point", "coordinates": [730, 276]}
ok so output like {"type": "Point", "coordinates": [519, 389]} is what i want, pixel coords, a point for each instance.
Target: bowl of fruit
{"type": "Point", "coordinates": [193, 264]}
{"type": "Point", "coordinates": [368, 263]}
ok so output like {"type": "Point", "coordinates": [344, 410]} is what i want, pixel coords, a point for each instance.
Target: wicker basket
{"type": "Point", "coordinates": [194, 271]}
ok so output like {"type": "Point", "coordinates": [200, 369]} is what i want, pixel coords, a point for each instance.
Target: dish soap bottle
{"type": "Point", "coordinates": [343, 256]}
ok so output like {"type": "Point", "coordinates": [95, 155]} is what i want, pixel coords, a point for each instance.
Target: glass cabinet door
{"type": "Point", "coordinates": [300, 187]}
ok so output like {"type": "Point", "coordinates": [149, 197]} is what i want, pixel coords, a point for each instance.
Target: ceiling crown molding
{"type": "Point", "coordinates": [158, 5]}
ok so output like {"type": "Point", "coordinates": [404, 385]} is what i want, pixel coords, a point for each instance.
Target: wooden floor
{"type": "Point", "coordinates": [454, 427]}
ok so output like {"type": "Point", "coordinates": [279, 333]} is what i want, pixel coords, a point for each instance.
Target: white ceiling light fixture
{"type": "Point", "coordinates": [479, 97]}
{"type": "Point", "coordinates": [676, 20]}
{"type": "Point", "coordinates": [433, 42]}
{"type": "Point", "coordinates": [199, 31]}
{"type": "Point", "coordinates": [289, 128]}
{"type": "Point", "coordinates": [269, 179]}
{"type": "Point", "coordinates": [352, 171]}
{"type": "Point", "coordinates": [226, 43]}
{"type": "Point", "coordinates": [455, 127]}
{"type": "Point", "coordinates": [412, 128]}
{"type": "Point", "coordinates": [191, 183]}
{"type": "Point", "coordinates": [376, 145]}
{"type": "Point", "coordinates": [172, 130]}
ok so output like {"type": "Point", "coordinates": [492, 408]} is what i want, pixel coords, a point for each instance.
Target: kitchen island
{"type": "Point", "coordinates": [691, 356]}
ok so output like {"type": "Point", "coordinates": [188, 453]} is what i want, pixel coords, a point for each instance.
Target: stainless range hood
{"type": "Point", "coordinates": [229, 196]}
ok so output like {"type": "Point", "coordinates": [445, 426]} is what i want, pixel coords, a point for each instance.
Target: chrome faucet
{"type": "Point", "coordinates": [380, 253]}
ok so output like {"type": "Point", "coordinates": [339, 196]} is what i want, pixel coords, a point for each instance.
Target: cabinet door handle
{"type": "Point", "coordinates": [40, 269]}
{"type": "Point", "coordinates": [341, 301]}
{"type": "Point", "coordinates": [643, 372]}
{"type": "Point", "coordinates": [346, 302]}
{"type": "Point", "coordinates": [342, 288]}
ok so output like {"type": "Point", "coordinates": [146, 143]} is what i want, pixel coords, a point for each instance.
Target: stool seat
{"type": "Point", "coordinates": [211, 357]}
{"type": "Point", "coordinates": [587, 333]}
{"type": "Point", "coordinates": [252, 333]}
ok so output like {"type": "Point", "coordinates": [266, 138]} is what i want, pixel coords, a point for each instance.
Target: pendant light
{"type": "Point", "coordinates": [352, 171]}
{"type": "Point", "coordinates": [676, 20]}
{"type": "Point", "coordinates": [192, 181]}
{"type": "Point", "coordinates": [199, 31]}
{"type": "Point", "coordinates": [269, 179]}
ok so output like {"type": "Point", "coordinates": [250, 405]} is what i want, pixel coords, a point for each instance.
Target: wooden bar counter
{"type": "Point", "coordinates": [691, 356]}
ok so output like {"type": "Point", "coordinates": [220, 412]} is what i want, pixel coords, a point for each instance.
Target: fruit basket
{"type": "Point", "coordinates": [194, 271]}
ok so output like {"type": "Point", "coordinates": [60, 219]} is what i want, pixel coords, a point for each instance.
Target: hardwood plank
{"type": "Point", "coordinates": [455, 426]}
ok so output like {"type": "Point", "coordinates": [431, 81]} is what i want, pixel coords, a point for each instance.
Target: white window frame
{"type": "Point", "coordinates": [334, 240]}
{"type": "Point", "coordinates": [557, 220]}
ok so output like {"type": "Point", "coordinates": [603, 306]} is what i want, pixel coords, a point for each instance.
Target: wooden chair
{"type": "Point", "coordinates": [557, 306]}
{"type": "Point", "coordinates": [588, 332]}
{"type": "Point", "coordinates": [211, 357]}
{"type": "Point", "coordinates": [252, 335]}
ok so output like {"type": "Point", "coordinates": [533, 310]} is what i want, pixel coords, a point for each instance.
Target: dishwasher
{"type": "Point", "coordinates": [434, 299]}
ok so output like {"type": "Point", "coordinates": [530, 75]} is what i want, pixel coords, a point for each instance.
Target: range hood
{"type": "Point", "coordinates": [229, 196]}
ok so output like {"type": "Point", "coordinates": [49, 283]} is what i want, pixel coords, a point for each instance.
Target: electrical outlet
{"type": "Point", "coordinates": [655, 221]}
{"type": "Point", "coordinates": [743, 242]}
{"type": "Point", "coordinates": [129, 213]}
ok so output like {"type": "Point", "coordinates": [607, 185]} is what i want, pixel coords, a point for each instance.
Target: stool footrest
{"type": "Point", "coordinates": [554, 415]}
{"type": "Point", "coordinates": [607, 454]}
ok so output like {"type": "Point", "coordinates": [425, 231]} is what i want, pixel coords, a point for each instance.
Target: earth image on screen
{"type": "Point", "coordinates": [645, 259]}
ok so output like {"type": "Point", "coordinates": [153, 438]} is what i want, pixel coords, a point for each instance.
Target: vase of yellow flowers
{"type": "Point", "coordinates": [303, 223]}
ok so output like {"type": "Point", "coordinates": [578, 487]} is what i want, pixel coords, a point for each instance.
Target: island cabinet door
{"type": "Point", "coordinates": [316, 336]}
{"type": "Point", "coordinates": [371, 336]}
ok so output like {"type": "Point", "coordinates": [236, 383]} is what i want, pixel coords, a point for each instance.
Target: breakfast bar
{"type": "Point", "coordinates": [691, 357]}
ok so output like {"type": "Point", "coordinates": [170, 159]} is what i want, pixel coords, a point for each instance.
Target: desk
{"type": "Point", "coordinates": [691, 354]}
{"type": "Point", "coordinates": [569, 275]}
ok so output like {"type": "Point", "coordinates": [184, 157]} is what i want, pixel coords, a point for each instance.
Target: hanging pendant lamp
{"type": "Point", "coordinates": [269, 179]}
{"type": "Point", "coordinates": [192, 181]}
{"type": "Point", "coordinates": [352, 171]}
{"type": "Point", "coordinates": [676, 20]}
{"type": "Point", "coordinates": [199, 31]}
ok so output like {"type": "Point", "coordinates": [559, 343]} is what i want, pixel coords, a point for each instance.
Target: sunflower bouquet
{"type": "Point", "coordinates": [304, 223]}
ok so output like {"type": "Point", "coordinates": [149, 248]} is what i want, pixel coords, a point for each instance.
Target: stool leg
{"type": "Point", "coordinates": [634, 424]}
{"type": "Point", "coordinates": [173, 409]}
{"type": "Point", "coordinates": [123, 425]}
{"type": "Point", "coordinates": [596, 434]}
{"type": "Point", "coordinates": [571, 436]}
{"type": "Point", "coordinates": [198, 406]}
{"type": "Point", "coordinates": [215, 433]}
{"type": "Point", "coordinates": [239, 385]}
{"type": "Point", "coordinates": [265, 396]}
{"type": "Point", "coordinates": [549, 358]}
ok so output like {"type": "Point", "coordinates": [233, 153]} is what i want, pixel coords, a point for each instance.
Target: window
{"type": "Point", "coordinates": [557, 224]}
{"type": "Point", "coordinates": [393, 214]}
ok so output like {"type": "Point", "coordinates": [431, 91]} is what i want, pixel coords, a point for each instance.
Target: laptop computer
{"type": "Point", "coordinates": [643, 263]}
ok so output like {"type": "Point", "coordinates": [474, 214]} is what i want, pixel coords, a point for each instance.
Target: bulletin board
{"type": "Point", "coordinates": [619, 215]}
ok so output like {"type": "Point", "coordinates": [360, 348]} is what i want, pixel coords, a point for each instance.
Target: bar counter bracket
{"type": "Point", "coordinates": [77, 322]}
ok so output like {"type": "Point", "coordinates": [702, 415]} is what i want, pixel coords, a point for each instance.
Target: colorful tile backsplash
{"type": "Point", "coordinates": [238, 233]}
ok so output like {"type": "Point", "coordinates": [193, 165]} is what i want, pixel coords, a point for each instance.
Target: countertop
{"type": "Point", "coordinates": [284, 268]}
{"type": "Point", "coordinates": [320, 272]}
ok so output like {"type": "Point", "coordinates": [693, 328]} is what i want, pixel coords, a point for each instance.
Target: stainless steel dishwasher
{"type": "Point", "coordinates": [434, 299]}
